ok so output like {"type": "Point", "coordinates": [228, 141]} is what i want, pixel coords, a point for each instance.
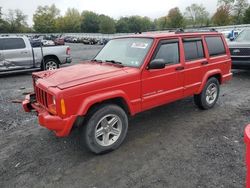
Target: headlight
{"type": "Point", "coordinates": [54, 100]}
{"type": "Point", "coordinates": [52, 105]}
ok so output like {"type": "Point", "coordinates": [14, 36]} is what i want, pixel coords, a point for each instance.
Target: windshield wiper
{"type": "Point", "coordinates": [97, 60]}
{"type": "Point", "coordinates": [114, 62]}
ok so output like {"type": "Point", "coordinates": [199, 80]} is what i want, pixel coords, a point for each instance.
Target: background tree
{"type": "Point", "coordinates": [229, 4]}
{"type": "Point", "coordinates": [122, 25]}
{"type": "Point", "coordinates": [175, 18]}
{"type": "Point", "coordinates": [71, 21]}
{"type": "Point", "coordinates": [222, 16]}
{"type": "Point", "coordinates": [161, 23]}
{"type": "Point", "coordinates": [196, 15]}
{"type": "Point", "coordinates": [16, 21]}
{"type": "Point", "coordinates": [90, 22]}
{"type": "Point", "coordinates": [134, 24]}
{"type": "Point", "coordinates": [106, 25]}
{"type": "Point", "coordinates": [239, 9]}
{"type": "Point", "coordinates": [147, 23]}
{"type": "Point", "coordinates": [4, 26]}
{"type": "Point", "coordinates": [246, 18]}
{"type": "Point", "coordinates": [45, 19]}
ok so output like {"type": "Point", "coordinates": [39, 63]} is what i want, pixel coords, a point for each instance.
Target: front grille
{"type": "Point", "coordinates": [41, 97]}
{"type": "Point", "coordinates": [240, 51]}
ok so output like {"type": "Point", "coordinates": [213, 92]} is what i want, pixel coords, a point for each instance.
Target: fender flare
{"type": "Point", "coordinates": [207, 75]}
{"type": "Point", "coordinates": [100, 97]}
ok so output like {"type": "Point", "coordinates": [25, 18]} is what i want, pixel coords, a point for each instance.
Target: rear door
{"type": "Point", "coordinates": [195, 64]}
{"type": "Point", "coordinates": [217, 52]}
{"type": "Point", "coordinates": [17, 53]}
{"type": "Point", "coordinates": [160, 86]}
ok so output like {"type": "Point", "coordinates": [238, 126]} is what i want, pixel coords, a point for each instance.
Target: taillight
{"type": "Point", "coordinates": [68, 51]}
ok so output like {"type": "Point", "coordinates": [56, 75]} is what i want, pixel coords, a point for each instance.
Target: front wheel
{"type": "Point", "coordinates": [105, 129]}
{"type": "Point", "coordinates": [209, 95]}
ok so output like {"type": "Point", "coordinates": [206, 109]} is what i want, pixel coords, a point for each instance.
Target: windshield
{"type": "Point", "coordinates": [244, 36]}
{"type": "Point", "coordinates": [128, 51]}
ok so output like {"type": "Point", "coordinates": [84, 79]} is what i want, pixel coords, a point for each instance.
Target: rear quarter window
{"type": "Point", "coordinates": [13, 43]}
{"type": "Point", "coordinates": [215, 46]}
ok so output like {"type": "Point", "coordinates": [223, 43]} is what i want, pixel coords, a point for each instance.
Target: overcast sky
{"type": "Point", "coordinates": [113, 8]}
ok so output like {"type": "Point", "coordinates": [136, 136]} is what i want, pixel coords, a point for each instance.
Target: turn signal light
{"type": "Point", "coordinates": [63, 108]}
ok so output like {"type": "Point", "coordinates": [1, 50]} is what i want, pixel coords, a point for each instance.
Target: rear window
{"type": "Point", "coordinates": [215, 46]}
{"type": "Point", "coordinates": [12, 43]}
{"type": "Point", "coordinates": [193, 49]}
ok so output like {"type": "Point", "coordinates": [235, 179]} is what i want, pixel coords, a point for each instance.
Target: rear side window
{"type": "Point", "coordinates": [13, 43]}
{"type": "Point", "coordinates": [215, 46]}
{"type": "Point", "coordinates": [193, 49]}
{"type": "Point", "coordinates": [169, 52]}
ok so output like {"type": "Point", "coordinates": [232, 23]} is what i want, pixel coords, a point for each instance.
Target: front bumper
{"type": "Point", "coordinates": [241, 63]}
{"type": "Point", "coordinates": [61, 126]}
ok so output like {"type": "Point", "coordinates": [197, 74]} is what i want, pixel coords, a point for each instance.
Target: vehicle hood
{"type": "Point", "coordinates": [80, 74]}
{"type": "Point", "coordinates": [236, 44]}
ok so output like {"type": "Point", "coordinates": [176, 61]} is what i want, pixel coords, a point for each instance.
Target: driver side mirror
{"type": "Point", "coordinates": [157, 64]}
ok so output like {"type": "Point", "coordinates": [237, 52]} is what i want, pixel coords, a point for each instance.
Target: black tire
{"type": "Point", "coordinates": [88, 131]}
{"type": "Point", "coordinates": [201, 99]}
{"type": "Point", "coordinates": [44, 65]}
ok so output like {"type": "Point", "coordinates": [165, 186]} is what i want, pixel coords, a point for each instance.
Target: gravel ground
{"type": "Point", "coordinates": [175, 145]}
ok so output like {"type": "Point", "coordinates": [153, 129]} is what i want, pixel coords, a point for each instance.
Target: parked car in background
{"type": "Point", "coordinates": [240, 50]}
{"type": "Point", "coordinates": [35, 42]}
{"type": "Point", "coordinates": [129, 75]}
{"type": "Point", "coordinates": [17, 54]}
{"type": "Point", "coordinates": [59, 41]}
{"type": "Point", "coordinates": [48, 42]}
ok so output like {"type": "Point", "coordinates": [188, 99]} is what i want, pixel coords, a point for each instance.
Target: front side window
{"type": "Point", "coordinates": [169, 52]}
{"type": "Point", "coordinates": [215, 46]}
{"type": "Point", "coordinates": [193, 50]}
{"type": "Point", "coordinates": [13, 43]}
{"type": "Point", "coordinates": [128, 51]}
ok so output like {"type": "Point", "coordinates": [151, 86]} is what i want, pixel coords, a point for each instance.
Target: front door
{"type": "Point", "coordinates": [16, 54]}
{"type": "Point", "coordinates": [160, 86]}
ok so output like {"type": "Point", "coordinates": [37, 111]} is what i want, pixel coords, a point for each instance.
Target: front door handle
{"type": "Point", "coordinates": [179, 68]}
{"type": "Point", "coordinates": [204, 63]}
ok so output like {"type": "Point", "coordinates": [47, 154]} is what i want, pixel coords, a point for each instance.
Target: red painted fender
{"type": "Point", "coordinates": [205, 78]}
{"type": "Point", "coordinates": [94, 99]}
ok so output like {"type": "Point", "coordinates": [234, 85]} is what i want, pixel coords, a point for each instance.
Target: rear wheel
{"type": "Point", "coordinates": [50, 64]}
{"type": "Point", "coordinates": [209, 95]}
{"type": "Point", "coordinates": [105, 129]}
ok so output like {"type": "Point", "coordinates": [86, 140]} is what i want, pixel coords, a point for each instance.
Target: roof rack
{"type": "Point", "coordinates": [180, 30]}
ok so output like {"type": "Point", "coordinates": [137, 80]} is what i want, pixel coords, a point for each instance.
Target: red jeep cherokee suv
{"type": "Point", "coordinates": [129, 75]}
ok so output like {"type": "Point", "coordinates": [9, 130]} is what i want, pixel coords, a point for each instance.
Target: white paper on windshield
{"type": "Point", "coordinates": [140, 45]}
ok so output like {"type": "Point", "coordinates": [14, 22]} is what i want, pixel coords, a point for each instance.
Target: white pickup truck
{"type": "Point", "coordinates": [17, 55]}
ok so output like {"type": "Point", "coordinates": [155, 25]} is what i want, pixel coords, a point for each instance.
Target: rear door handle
{"type": "Point", "coordinates": [179, 68]}
{"type": "Point", "coordinates": [204, 63]}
